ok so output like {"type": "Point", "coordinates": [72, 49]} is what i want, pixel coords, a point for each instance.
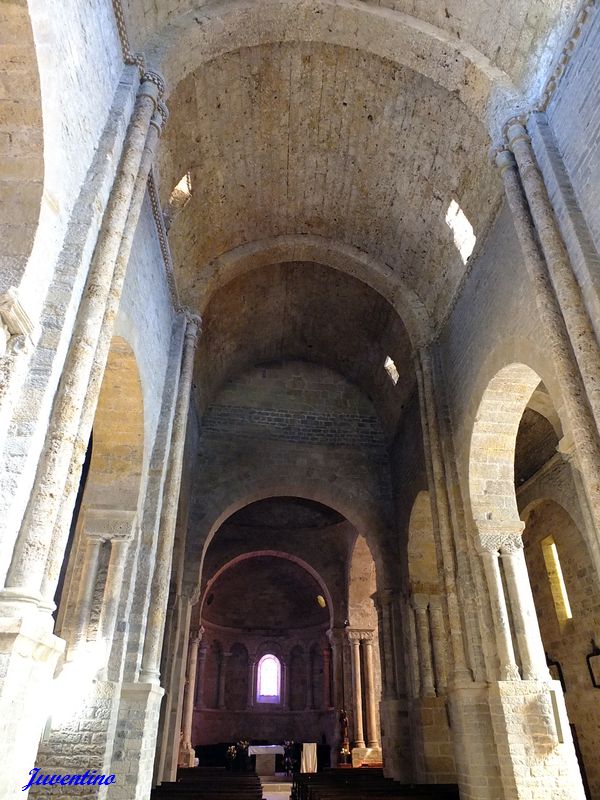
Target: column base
{"type": "Point", "coordinates": [29, 653]}
{"type": "Point", "coordinates": [536, 753]}
{"type": "Point", "coordinates": [395, 740]}
{"type": "Point", "coordinates": [187, 756]}
{"type": "Point", "coordinates": [133, 758]}
{"type": "Point", "coordinates": [366, 755]}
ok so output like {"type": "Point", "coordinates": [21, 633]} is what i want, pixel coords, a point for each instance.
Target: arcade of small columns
{"type": "Point", "coordinates": [363, 685]}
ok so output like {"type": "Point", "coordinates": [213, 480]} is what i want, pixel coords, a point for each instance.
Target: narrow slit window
{"type": "Point", "coordinates": [462, 230]}
{"type": "Point", "coordinates": [268, 680]}
{"type": "Point", "coordinates": [391, 370]}
{"type": "Point", "coordinates": [557, 581]}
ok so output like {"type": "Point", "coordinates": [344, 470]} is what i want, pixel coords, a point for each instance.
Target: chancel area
{"type": "Point", "coordinates": [300, 399]}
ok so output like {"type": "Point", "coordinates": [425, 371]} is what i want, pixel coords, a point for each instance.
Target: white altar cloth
{"type": "Point", "coordinates": [265, 749]}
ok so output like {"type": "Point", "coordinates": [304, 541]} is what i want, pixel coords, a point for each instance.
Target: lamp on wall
{"type": "Point", "coordinates": [593, 662]}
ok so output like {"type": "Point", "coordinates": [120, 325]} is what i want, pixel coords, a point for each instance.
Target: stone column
{"type": "Point", "coordinates": [112, 590]}
{"type": "Point", "coordinates": [527, 629]}
{"type": "Point", "coordinates": [413, 650]}
{"type": "Point", "coordinates": [88, 410]}
{"type": "Point", "coordinates": [222, 675]}
{"type": "Point", "coordinates": [443, 530]}
{"type": "Point", "coordinates": [438, 638]}
{"type": "Point", "coordinates": [252, 661]}
{"type": "Point", "coordinates": [85, 594]}
{"type": "Point", "coordinates": [582, 426]}
{"type": "Point", "coordinates": [389, 650]}
{"type": "Point", "coordinates": [326, 678]}
{"type": "Point", "coordinates": [164, 552]}
{"type": "Point", "coordinates": [187, 754]}
{"type": "Point", "coordinates": [199, 699]}
{"type": "Point", "coordinates": [567, 290]}
{"type": "Point", "coordinates": [420, 604]}
{"type": "Point", "coordinates": [372, 733]}
{"type": "Point", "coordinates": [26, 572]}
{"type": "Point", "coordinates": [336, 640]}
{"type": "Point", "coordinates": [354, 638]}
{"type": "Point", "coordinates": [488, 550]}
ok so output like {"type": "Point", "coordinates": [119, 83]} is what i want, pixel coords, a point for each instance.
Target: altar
{"type": "Point", "coordinates": [265, 757]}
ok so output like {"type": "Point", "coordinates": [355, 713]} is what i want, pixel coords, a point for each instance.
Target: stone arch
{"type": "Point", "coordinates": [493, 442]}
{"type": "Point", "coordinates": [362, 515]}
{"type": "Point", "coordinates": [275, 554]}
{"type": "Point", "coordinates": [22, 148]}
{"type": "Point", "coordinates": [319, 250]}
{"type": "Point", "coordinates": [423, 570]}
{"type": "Point", "coordinates": [218, 28]}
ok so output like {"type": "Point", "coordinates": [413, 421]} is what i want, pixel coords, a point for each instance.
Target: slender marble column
{"type": "Point", "coordinates": [524, 616]}
{"type": "Point", "coordinates": [112, 590]}
{"type": "Point", "coordinates": [413, 650]}
{"type": "Point", "coordinates": [568, 293]}
{"type": "Point", "coordinates": [62, 525]}
{"type": "Point", "coordinates": [359, 738]}
{"type": "Point", "coordinates": [326, 678]}
{"type": "Point", "coordinates": [162, 571]}
{"type": "Point", "coordinates": [438, 638]}
{"type": "Point", "coordinates": [87, 584]}
{"type": "Point", "coordinates": [420, 605]}
{"type": "Point", "coordinates": [199, 700]}
{"type": "Point", "coordinates": [28, 565]}
{"type": "Point", "coordinates": [222, 676]}
{"type": "Point", "coordinates": [190, 689]}
{"type": "Point", "coordinates": [582, 425]}
{"type": "Point", "coordinates": [372, 734]}
{"type": "Point", "coordinates": [506, 654]}
{"type": "Point", "coordinates": [336, 640]}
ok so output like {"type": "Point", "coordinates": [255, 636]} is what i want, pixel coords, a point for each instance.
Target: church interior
{"type": "Point", "coordinates": [300, 399]}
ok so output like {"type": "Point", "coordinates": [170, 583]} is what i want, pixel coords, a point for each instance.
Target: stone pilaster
{"type": "Point", "coordinates": [420, 603]}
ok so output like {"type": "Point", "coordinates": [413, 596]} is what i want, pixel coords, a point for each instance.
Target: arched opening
{"type": "Point", "coordinates": [511, 441]}
{"type": "Point", "coordinates": [268, 679]}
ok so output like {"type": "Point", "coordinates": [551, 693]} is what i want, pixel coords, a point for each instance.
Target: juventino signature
{"type": "Point", "coordinates": [88, 778]}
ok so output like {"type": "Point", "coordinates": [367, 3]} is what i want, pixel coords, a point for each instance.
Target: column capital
{"type": "Point", "coordinates": [419, 601]}
{"type": "Point", "coordinates": [504, 159]}
{"type": "Point", "coordinates": [109, 524]}
{"type": "Point", "coordinates": [194, 324]}
{"type": "Point", "coordinates": [516, 131]}
{"type": "Point", "coordinates": [154, 77]}
{"type": "Point", "coordinates": [359, 634]}
{"type": "Point", "coordinates": [493, 537]}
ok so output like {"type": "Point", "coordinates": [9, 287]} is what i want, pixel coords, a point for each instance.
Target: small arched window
{"type": "Point", "coordinates": [268, 680]}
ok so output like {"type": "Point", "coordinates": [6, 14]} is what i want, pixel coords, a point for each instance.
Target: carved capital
{"type": "Point", "coordinates": [154, 77]}
{"type": "Point", "coordinates": [358, 635]}
{"type": "Point", "coordinates": [516, 132]}
{"type": "Point", "coordinates": [419, 602]}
